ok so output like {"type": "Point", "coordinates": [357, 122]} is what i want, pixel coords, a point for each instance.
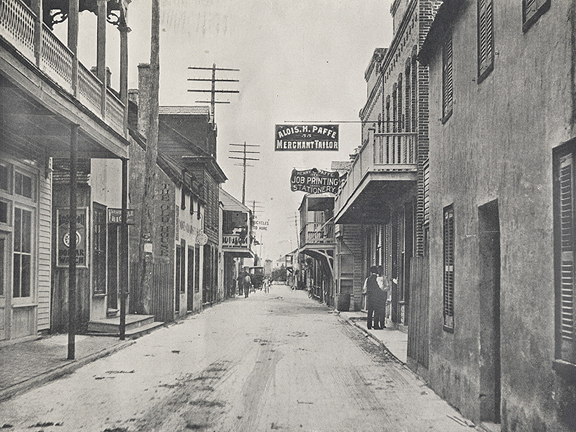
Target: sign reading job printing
{"type": "Point", "coordinates": [315, 181]}
{"type": "Point", "coordinates": [306, 137]}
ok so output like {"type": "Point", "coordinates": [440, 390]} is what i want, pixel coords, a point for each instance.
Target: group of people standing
{"type": "Point", "coordinates": [376, 287]}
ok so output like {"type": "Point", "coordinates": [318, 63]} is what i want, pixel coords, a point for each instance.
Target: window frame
{"type": "Point", "coordinates": [487, 66]}
{"type": "Point", "coordinates": [447, 75]}
{"type": "Point", "coordinates": [20, 299]}
{"type": "Point", "coordinates": [529, 17]}
{"type": "Point", "coordinates": [448, 258]}
{"type": "Point", "coordinates": [565, 352]}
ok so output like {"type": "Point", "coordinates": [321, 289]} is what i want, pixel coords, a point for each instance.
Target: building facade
{"type": "Point", "coordinates": [502, 134]}
{"type": "Point", "coordinates": [382, 204]}
{"type": "Point", "coordinates": [317, 245]}
{"type": "Point", "coordinates": [53, 107]}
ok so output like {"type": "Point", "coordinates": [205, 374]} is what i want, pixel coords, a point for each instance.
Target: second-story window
{"type": "Point", "coordinates": [485, 38]}
{"type": "Point", "coordinates": [408, 100]}
{"type": "Point", "coordinates": [532, 10]}
{"type": "Point", "coordinates": [447, 78]}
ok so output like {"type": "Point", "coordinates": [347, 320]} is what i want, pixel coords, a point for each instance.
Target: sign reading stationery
{"type": "Point", "coordinates": [306, 138]}
{"type": "Point", "coordinates": [314, 181]}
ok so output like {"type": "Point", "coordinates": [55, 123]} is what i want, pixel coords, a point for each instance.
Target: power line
{"type": "Point", "coordinates": [244, 158]}
{"type": "Point", "coordinates": [213, 89]}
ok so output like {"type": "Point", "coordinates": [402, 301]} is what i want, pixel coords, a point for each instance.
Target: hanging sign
{"type": "Point", "coordinates": [315, 181]}
{"type": "Point", "coordinates": [64, 238]}
{"type": "Point", "coordinates": [115, 216]}
{"type": "Point", "coordinates": [306, 138]}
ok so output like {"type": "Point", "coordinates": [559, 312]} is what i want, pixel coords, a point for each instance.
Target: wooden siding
{"type": "Point", "coordinates": [44, 251]}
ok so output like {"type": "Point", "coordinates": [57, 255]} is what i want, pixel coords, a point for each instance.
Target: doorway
{"type": "Point", "coordinates": [3, 284]}
{"type": "Point", "coordinates": [489, 294]}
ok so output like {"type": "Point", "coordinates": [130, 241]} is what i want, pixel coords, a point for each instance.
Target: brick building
{"type": "Point", "coordinates": [382, 206]}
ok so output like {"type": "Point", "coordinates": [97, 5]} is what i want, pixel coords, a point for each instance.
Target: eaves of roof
{"type": "Point", "coordinates": [443, 20]}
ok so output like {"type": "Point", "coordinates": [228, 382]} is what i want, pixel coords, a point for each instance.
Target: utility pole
{"type": "Point", "coordinates": [147, 209]}
{"type": "Point", "coordinates": [244, 158]}
{"type": "Point", "coordinates": [213, 89]}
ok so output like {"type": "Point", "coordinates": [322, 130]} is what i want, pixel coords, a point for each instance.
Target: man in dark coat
{"type": "Point", "coordinates": [373, 298]}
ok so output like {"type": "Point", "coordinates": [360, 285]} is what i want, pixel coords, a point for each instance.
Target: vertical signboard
{"type": "Point", "coordinates": [64, 237]}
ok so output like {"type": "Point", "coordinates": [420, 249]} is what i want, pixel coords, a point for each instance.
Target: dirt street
{"type": "Point", "coordinates": [273, 361]}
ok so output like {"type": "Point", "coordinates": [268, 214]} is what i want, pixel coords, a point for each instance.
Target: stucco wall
{"type": "Point", "coordinates": [497, 145]}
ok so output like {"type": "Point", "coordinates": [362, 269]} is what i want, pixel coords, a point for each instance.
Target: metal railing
{"type": "Point", "coordinates": [18, 27]}
{"type": "Point", "coordinates": [392, 152]}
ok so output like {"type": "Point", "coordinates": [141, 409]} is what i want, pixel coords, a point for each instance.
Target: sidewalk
{"type": "Point", "coordinates": [395, 341]}
{"type": "Point", "coordinates": [25, 365]}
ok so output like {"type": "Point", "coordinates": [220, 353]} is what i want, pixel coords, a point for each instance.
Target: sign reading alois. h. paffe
{"type": "Point", "coordinates": [306, 138]}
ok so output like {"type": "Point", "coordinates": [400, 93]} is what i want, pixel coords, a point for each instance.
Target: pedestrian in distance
{"type": "Point", "coordinates": [240, 282]}
{"type": "Point", "coordinates": [373, 298]}
{"type": "Point", "coordinates": [247, 284]}
{"type": "Point", "coordinates": [381, 298]}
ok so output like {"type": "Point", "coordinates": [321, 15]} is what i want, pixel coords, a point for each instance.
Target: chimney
{"type": "Point", "coordinates": [144, 76]}
{"type": "Point", "coordinates": [133, 109]}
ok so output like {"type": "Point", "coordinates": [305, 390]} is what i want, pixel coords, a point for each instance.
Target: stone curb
{"type": "Point", "coordinates": [370, 335]}
{"type": "Point", "coordinates": [59, 371]}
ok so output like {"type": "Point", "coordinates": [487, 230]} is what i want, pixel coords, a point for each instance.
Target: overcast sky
{"type": "Point", "coordinates": [299, 60]}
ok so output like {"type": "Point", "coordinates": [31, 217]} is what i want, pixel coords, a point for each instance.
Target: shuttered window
{"type": "Point", "coordinates": [447, 84]}
{"type": "Point", "coordinates": [532, 10]}
{"type": "Point", "coordinates": [565, 294]}
{"type": "Point", "coordinates": [485, 38]}
{"type": "Point", "coordinates": [448, 291]}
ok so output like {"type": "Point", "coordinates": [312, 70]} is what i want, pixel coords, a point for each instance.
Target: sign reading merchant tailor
{"type": "Point", "coordinates": [306, 137]}
{"type": "Point", "coordinates": [315, 181]}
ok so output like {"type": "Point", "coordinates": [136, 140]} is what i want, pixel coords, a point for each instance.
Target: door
{"type": "Point", "coordinates": [99, 249]}
{"type": "Point", "coordinates": [4, 271]}
{"type": "Point", "coordinates": [191, 273]}
{"type": "Point", "coordinates": [113, 267]}
{"type": "Point", "coordinates": [489, 295]}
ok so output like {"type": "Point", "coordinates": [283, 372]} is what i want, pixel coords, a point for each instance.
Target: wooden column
{"type": "Point", "coordinates": [124, 280]}
{"type": "Point", "coordinates": [73, 28]}
{"type": "Point", "coordinates": [101, 52]}
{"type": "Point", "coordinates": [37, 9]}
{"type": "Point", "coordinates": [72, 249]}
{"type": "Point", "coordinates": [124, 30]}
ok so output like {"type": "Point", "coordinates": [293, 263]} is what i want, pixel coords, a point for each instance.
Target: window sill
{"type": "Point", "coordinates": [565, 369]}
{"type": "Point", "coordinates": [448, 329]}
{"type": "Point", "coordinates": [24, 305]}
{"type": "Point", "coordinates": [99, 294]}
{"type": "Point", "coordinates": [447, 116]}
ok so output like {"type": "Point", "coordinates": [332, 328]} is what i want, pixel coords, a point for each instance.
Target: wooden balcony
{"type": "Point", "coordinates": [384, 169]}
{"type": "Point", "coordinates": [43, 78]}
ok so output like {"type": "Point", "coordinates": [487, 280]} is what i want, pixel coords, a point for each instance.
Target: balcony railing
{"type": "Point", "coordinates": [18, 26]}
{"type": "Point", "coordinates": [383, 152]}
{"type": "Point", "coordinates": [315, 233]}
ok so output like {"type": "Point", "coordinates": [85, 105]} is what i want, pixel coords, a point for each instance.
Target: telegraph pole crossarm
{"type": "Point", "coordinates": [213, 89]}
{"type": "Point", "coordinates": [244, 158]}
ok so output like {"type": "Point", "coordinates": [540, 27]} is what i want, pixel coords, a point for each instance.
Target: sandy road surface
{"type": "Point", "coordinates": [274, 361]}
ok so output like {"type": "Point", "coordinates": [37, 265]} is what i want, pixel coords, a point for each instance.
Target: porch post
{"type": "Point", "coordinates": [72, 239]}
{"type": "Point", "coordinates": [37, 8]}
{"type": "Point", "coordinates": [101, 52]}
{"type": "Point", "coordinates": [73, 28]}
{"type": "Point", "coordinates": [124, 250]}
{"type": "Point", "coordinates": [124, 30]}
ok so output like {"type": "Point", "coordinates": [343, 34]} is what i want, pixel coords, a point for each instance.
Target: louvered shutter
{"type": "Point", "coordinates": [531, 11]}
{"type": "Point", "coordinates": [485, 38]}
{"type": "Point", "coordinates": [447, 87]}
{"type": "Point", "coordinates": [566, 204]}
{"type": "Point", "coordinates": [449, 267]}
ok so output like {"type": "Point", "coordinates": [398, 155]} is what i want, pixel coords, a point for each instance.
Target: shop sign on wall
{"type": "Point", "coordinates": [315, 181]}
{"type": "Point", "coordinates": [306, 137]}
{"type": "Point", "coordinates": [232, 241]}
{"type": "Point", "coordinates": [64, 240]}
